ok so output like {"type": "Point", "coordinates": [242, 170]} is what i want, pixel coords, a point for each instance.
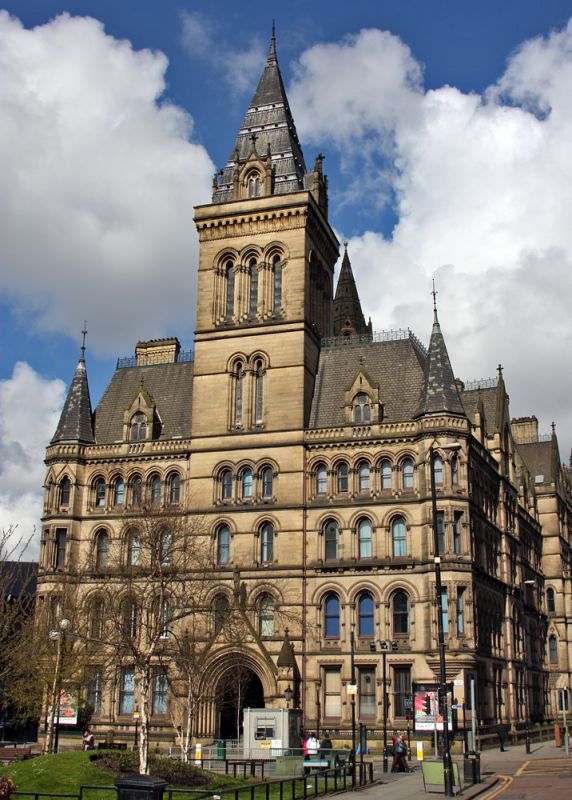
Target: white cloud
{"type": "Point", "coordinates": [239, 67]}
{"type": "Point", "coordinates": [30, 407]}
{"type": "Point", "coordinates": [483, 201]}
{"type": "Point", "coordinates": [99, 180]}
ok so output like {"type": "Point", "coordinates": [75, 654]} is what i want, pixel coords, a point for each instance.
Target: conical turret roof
{"type": "Point", "coordinates": [439, 394]}
{"type": "Point", "coordinates": [348, 316]}
{"type": "Point", "coordinates": [269, 127]}
{"type": "Point", "coordinates": [76, 420]}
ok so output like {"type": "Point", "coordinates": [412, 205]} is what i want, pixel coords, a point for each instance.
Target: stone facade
{"type": "Point", "coordinates": [306, 457]}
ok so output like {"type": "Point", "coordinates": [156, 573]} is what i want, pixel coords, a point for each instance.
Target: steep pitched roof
{"type": "Point", "coordinates": [171, 387]}
{"type": "Point", "coordinates": [395, 365]}
{"type": "Point", "coordinates": [76, 421]}
{"type": "Point", "coordinates": [270, 120]}
{"type": "Point", "coordinates": [439, 393]}
{"type": "Point", "coordinates": [348, 315]}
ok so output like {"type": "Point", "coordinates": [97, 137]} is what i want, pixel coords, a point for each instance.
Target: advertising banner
{"type": "Point", "coordinates": [426, 713]}
{"type": "Point", "coordinates": [68, 708]}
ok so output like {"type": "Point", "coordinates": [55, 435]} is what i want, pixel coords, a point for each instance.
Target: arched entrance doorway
{"type": "Point", "coordinates": [239, 687]}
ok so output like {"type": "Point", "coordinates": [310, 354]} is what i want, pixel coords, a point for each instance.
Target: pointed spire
{"type": "Point", "coordinates": [286, 657]}
{"type": "Point", "coordinates": [439, 394]}
{"type": "Point", "coordinates": [270, 116]}
{"type": "Point", "coordinates": [348, 315]}
{"type": "Point", "coordinates": [76, 420]}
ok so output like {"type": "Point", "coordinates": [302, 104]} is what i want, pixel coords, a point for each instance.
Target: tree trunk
{"type": "Point", "coordinates": [145, 686]}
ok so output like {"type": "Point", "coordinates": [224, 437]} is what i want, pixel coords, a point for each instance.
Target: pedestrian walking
{"type": "Point", "coordinates": [501, 733]}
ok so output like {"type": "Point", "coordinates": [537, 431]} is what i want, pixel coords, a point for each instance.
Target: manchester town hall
{"type": "Point", "coordinates": [294, 442]}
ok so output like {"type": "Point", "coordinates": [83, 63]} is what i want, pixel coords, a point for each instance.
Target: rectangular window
{"type": "Point", "coordinates": [127, 691]}
{"type": "Point", "coordinates": [460, 610]}
{"type": "Point", "coordinates": [457, 532]}
{"type": "Point", "coordinates": [441, 532]}
{"type": "Point", "coordinates": [95, 692]}
{"type": "Point", "coordinates": [402, 681]}
{"type": "Point", "coordinates": [366, 695]}
{"type": "Point", "coordinates": [60, 549]}
{"type": "Point", "coordinates": [445, 606]}
{"type": "Point", "coordinates": [332, 692]}
{"type": "Point", "coordinates": [160, 693]}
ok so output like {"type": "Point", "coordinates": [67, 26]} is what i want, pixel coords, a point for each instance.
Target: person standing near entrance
{"type": "Point", "coordinates": [501, 733]}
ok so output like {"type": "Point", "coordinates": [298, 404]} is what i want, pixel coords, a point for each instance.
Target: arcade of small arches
{"type": "Point", "coordinates": [245, 483]}
{"type": "Point", "coordinates": [247, 395]}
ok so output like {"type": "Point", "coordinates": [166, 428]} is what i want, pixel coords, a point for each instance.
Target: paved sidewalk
{"type": "Point", "coordinates": [409, 786]}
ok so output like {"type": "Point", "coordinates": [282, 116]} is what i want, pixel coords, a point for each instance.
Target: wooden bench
{"type": "Point", "coordinates": [434, 776]}
{"type": "Point", "coordinates": [10, 754]}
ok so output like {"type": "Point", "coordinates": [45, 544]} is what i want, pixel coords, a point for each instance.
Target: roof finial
{"type": "Point", "coordinates": [272, 48]}
{"type": "Point", "coordinates": [553, 426]}
{"type": "Point", "coordinates": [346, 246]}
{"type": "Point", "coordinates": [84, 334]}
{"type": "Point", "coordinates": [434, 293]}
{"type": "Point", "coordinates": [499, 370]}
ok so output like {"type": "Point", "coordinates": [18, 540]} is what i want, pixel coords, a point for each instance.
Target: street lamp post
{"type": "Point", "coordinates": [442, 695]}
{"type": "Point", "coordinates": [288, 694]}
{"type": "Point", "coordinates": [52, 738]}
{"type": "Point", "coordinates": [136, 720]}
{"type": "Point", "coordinates": [353, 704]}
{"type": "Point", "coordinates": [384, 648]}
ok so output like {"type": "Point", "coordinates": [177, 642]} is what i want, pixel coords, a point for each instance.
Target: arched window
{"type": "Point", "coordinates": [97, 618]}
{"type": "Point", "coordinates": [101, 549]}
{"type": "Point", "coordinates": [332, 616]}
{"type": "Point", "coordinates": [407, 469]}
{"type": "Point", "coordinates": [253, 269]}
{"type": "Point", "coordinates": [138, 427]}
{"type": "Point", "coordinates": [365, 543]}
{"type": "Point", "coordinates": [259, 392]}
{"type": "Point", "coordinates": [65, 491]}
{"type": "Point", "coordinates": [133, 549]}
{"type": "Point", "coordinates": [277, 269]}
{"type": "Point", "coordinates": [99, 492]}
{"type": "Point", "coordinates": [229, 272]}
{"type": "Point", "coordinates": [239, 381]}
{"type": "Point", "coordinates": [365, 616]}
{"type": "Point", "coordinates": [165, 548]}
{"type": "Point", "coordinates": [399, 537]}
{"type": "Point", "coordinates": [163, 618]}
{"type": "Point", "coordinates": [386, 475]}
{"type": "Point", "coordinates": [226, 484]}
{"type": "Point", "coordinates": [550, 601]}
{"type": "Point", "coordinates": [155, 490]}
{"type": "Point", "coordinates": [253, 185]}
{"type": "Point", "coordinates": [400, 614]}
{"type": "Point", "coordinates": [267, 543]}
{"type": "Point", "coordinates": [136, 490]}
{"type": "Point", "coordinates": [221, 608]}
{"type": "Point", "coordinates": [364, 477]}
{"type": "Point", "coordinates": [362, 409]}
{"type": "Point", "coordinates": [454, 470]}
{"type": "Point", "coordinates": [437, 470]}
{"type": "Point", "coordinates": [342, 477]}
{"type": "Point", "coordinates": [174, 489]}
{"type": "Point", "coordinates": [331, 541]}
{"type": "Point", "coordinates": [129, 616]}
{"type": "Point", "coordinates": [246, 483]}
{"type": "Point", "coordinates": [118, 492]}
{"type": "Point", "coordinates": [266, 616]}
{"type": "Point", "coordinates": [321, 479]}
{"type": "Point", "coordinates": [267, 481]}
{"type": "Point", "coordinates": [553, 649]}
{"type": "Point", "coordinates": [223, 545]}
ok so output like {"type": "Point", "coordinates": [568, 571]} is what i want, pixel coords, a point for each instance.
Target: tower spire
{"type": "Point", "coordinates": [348, 315]}
{"type": "Point", "coordinates": [76, 420]}
{"type": "Point", "coordinates": [272, 47]}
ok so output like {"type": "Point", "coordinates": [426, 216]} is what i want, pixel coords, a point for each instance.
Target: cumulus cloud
{"type": "Point", "coordinates": [239, 67]}
{"type": "Point", "coordinates": [99, 180]}
{"type": "Point", "coordinates": [482, 201]}
{"type": "Point", "coordinates": [30, 406]}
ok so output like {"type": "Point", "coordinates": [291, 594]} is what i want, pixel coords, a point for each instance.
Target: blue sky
{"type": "Point", "coordinates": [446, 130]}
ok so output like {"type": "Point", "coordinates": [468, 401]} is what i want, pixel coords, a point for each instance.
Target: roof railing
{"type": "Point", "coordinates": [379, 336]}
{"type": "Point", "coordinates": [131, 361]}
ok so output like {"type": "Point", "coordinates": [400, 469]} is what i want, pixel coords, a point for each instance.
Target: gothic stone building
{"type": "Point", "coordinates": [311, 473]}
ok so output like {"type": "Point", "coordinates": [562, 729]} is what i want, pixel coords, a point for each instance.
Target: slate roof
{"type": "Point", "coordinates": [541, 458]}
{"type": "Point", "coordinates": [76, 420]}
{"type": "Point", "coordinates": [439, 393]}
{"type": "Point", "coordinates": [488, 398]}
{"type": "Point", "coordinates": [347, 306]}
{"type": "Point", "coordinates": [171, 387]}
{"type": "Point", "coordinates": [397, 366]}
{"type": "Point", "coordinates": [268, 118]}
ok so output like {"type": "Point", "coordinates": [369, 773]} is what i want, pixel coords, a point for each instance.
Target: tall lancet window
{"type": "Point", "coordinates": [238, 393]}
{"type": "Point", "coordinates": [253, 269]}
{"type": "Point", "coordinates": [277, 269]}
{"type": "Point", "coordinates": [254, 185]}
{"type": "Point", "coordinates": [259, 392]}
{"type": "Point", "coordinates": [229, 269]}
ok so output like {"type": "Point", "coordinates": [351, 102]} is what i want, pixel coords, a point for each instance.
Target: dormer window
{"type": "Point", "coordinates": [138, 427]}
{"type": "Point", "coordinates": [362, 409]}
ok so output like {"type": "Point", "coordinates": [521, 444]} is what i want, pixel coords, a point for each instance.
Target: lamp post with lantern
{"type": "Point", "coordinates": [52, 736]}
